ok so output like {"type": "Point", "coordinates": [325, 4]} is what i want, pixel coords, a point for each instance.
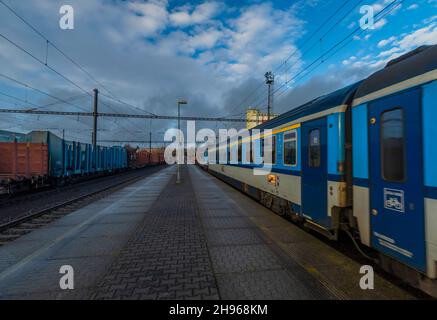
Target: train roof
{"type": "Point", "coordinates": [9, 136]}
{"type": "Point", "coordinates": [337, 98]}
{"type": "Point", "coordinates": [412, 64]}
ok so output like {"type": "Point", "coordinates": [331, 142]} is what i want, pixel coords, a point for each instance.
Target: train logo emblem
{"type": "Point", "coordinates": [394, 200]}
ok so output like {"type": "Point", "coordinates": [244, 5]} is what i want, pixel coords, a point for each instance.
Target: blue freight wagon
{"type": "Point", "coordinates": [71, 158]}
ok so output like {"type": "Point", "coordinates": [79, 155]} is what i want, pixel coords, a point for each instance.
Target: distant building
{"type": "Point", "coordinates": [254, 117]}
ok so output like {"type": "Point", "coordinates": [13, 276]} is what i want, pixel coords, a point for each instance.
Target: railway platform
{"type": "Point", "coordinates": [200, 239]}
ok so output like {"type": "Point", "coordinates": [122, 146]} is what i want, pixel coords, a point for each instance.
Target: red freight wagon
{"type": "Point", "coordinates": [143, 157]}
{"type": "Point", "coordinates": [23, 161]}
{"type": "Point", "coordinates": [157, 156]}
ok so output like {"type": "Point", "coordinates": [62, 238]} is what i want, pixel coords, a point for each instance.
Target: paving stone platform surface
{"type": "Point", "coordinates": [200, 239]}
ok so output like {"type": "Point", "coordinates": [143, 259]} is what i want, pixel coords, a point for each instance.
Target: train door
{"type": "Point", "coordinates": [315, 172]}
{"type": "Point", "coordinates": [396, 178]}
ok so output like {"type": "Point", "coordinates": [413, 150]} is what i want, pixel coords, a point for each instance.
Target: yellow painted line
{"type": "Point", "coordinates": [294, 126]}
{"type": "Point", "coordinates": [316, 224]}
{"type": "Point", "coordinates": [263, 135]}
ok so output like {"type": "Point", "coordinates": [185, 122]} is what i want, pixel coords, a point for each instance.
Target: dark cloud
{"type": "Point", "coordinates": [128, 57]}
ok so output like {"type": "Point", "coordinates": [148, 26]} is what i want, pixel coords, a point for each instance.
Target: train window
{"type": "Point", "coordinates": [272, 150]}
{"type": "Point", "coordinates": [249, 158]}
{"type": "Point", "coordinates": [261, 147]}
{"type": "Point", "coordinates": [240, 151]}
{"type": "Point", "coordinates": [252, 151]}
{"type": "Point", "coordinates": [393, 145]}
{"type": "Point", "coordinates": [228, 148]}
{"type": "Point", "coordinates": [314, 149]}
{"type": "Point", "coordinates": [290, 148]}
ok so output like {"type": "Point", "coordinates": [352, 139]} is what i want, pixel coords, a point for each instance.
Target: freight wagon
{"type": "Point", "coordinates": [23, 166]}
{"type": "Point", "coordinates": [63, 161]}
{"type": "Point", "coordinates": [139, 158]}
{"type": "Point", "coordinates": [69, 158]}
{"type": "Point", "coordinates": [157, 156]}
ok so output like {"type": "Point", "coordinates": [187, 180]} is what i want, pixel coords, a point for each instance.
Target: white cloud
{"type": "Point", "coordinates": [380, 23]}
{"type": "Point", "coordinates": [430, 19]}
{"type": "Point", "coordinates": [185, 16]}
{"type": "Point", "coordinates": [256, 40]}
{"type": "Point", "coordinates": [154, 55]}
{"type": "Point", "coordinates": [423, 36]}
{"type": "Point", "coordinates": [148, 18]}
{"type": "Point", "coordinates": [385, 42]}
{"type": "Point", "coordinates": [349, 61]}
{"type": "Point", "coordinates": [399, 46]}
{"type": "Point", "coordinates": [389, 53]}
{"type": "Point", "coordinates": [146, 56]}
{"type": "Point", "coordinates": [413, 6]}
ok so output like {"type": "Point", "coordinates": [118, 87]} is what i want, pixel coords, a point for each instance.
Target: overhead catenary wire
{"type": "Point", "coordinates": [313, 34]}
{"type": "Point", "coordinates": [18, 99]}
{"type": "Point", "coordinates": [261, 85]}
{"type": "Point", "coordinates": [68, 57]}
{"type": "Point", "coordinates": [49, 42]}
{"type": "Point", "coordinates": [257, 98]}
{"type": "Point", "coordinates": [69, 99]}
{"type": "Point", "coordinates": [39, 107]}
{"type": "Point", "coordinates": [43, 63]}
{"type": "Point", "coordinates": [118, 115]}
{"type": "Point", "coordinates": [328, 31]}
{"type": "Point", "coordinates": [28, 86]}
{"type": "Point", "coordinates": [126, 103]}
{"type": "Point", "coordinates": [299, 76]}
{"type": "Point", "coordinates": [325, 56]}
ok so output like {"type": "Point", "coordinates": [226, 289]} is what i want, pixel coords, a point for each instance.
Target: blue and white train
{"type": "Point", "coordinates": [362, 159]}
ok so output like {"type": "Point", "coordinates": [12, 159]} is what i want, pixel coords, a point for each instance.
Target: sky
{"type": "Point", "coordinates": [214, 54]}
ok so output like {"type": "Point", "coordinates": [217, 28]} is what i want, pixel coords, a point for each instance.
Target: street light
{"type": "Point", "coordinates": [180, 102]}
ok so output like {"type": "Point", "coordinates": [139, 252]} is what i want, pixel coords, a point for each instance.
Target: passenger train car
{"type": "Point", "coordinates": [362, 159]}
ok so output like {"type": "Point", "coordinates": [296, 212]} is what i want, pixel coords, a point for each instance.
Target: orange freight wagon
{"type": "Point", "coordinates": [157, 156]}
{"type": "Point", "coordinates": [143, 157]}
{"type": "Point", "coordinates": [22, 160]}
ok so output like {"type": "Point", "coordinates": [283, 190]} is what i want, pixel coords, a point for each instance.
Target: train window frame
{"type": "Point", "coordinates": [285, 140]}
{"type": "Point", "coordinates": [274, 150]}
{"type": "Point", "coordinates": [404, 146]}
{"type": "Point", "coordinates": [261, 148]}
{"type": "Point", "coordinates": [228, 151]}
{"type": "Point", "coordinates": [249, 156]}
{"type": "Point", "coordinates": [252, 148]}
{"type": "Point", "coordinates": [240, 151]}
{"type": "Point", "coordinates": [310, 164]}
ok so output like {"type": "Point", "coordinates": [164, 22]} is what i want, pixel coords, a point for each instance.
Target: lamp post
{"type": "Point", "coordinates": [178, 175]}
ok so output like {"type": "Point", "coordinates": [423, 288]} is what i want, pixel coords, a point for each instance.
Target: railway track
{"type": "Point", "coordinates": [30, 203]}
{"type": "Point", "coordinates": [13, 199]}
{"type": "Point", "coordinates": [24, 224]}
